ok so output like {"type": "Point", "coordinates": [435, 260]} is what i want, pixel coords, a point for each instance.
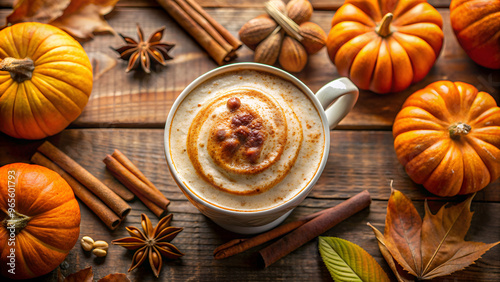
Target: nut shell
{"type": "Point", "coordinates": [268, 50]}
{"type": "Point", "coordinates": [314, 38]}
{"type": "Point", "coordinates": [256, 30]}
{"type": "Point", "coordinates": [299, 10]}
{"type": "Point", "coordinates": [293, 56]}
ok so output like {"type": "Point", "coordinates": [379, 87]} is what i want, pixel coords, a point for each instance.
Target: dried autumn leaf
{"type": "Point", "coordinates": [41, 11]}
{"type": "Point", "coordinates": [101, 63]}
{"type": "Point", "coordinates": [80, 18]}
{"type": "Point", "coordinates": [116, 277]}
{"type": "Point", "coordinates": [430, 248]}
{"type": "Point", "coordinates": [84, 275]}
{"type": "Point", "coordinates": [347, 261]}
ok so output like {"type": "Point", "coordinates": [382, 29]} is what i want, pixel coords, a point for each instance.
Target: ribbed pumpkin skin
{"type": "Point", "coordinates": [54, 227]}
{"type": "Point", "coordinates": [449, 166]}
{"type": "Point", "coordinates": [476, 24]}
{"type": "Point", "coordinates": [59, 88]}
{"type": "Point", "coordinates": [389, 63]}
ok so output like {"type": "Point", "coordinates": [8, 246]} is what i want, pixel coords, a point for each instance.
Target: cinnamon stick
{"type": "Point", "coordinates": [237, 246]}
{"type": "Point", "coordinates": [121, 191]}
{"type": "Point", "coordinates": [156, 210]}
{"type": "Point", "coordinates": [212, 37]}
{"type": "Point", "coordinates": [107, 216]}
{"type": "Point", "coordinates": [314, 228]}
{"type": "Point", "coordinates": [113, 201]}
{"type": "Point", "coordinates": [128, 164]}
{"type": "Point", "coordinates": [231, 39]}
{"type": "Point", "coordinates": [133, 181]}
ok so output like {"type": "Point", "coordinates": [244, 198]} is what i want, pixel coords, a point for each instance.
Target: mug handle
{"type": "Point", "coordinates": [338, 97]}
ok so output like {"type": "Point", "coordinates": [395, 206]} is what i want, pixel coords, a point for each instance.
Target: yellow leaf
{"type": "Point", "coordinates": [347, 261]}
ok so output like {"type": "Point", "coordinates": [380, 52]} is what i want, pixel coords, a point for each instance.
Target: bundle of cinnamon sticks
{"type": "Point", "coordinates": [108, 202]}
{"type": "Point", "coordinates": [105, 203]}
{"type": "Point", "coordinates": [130, 176]}
{"type": "Point", "coordinates": [219, 43]}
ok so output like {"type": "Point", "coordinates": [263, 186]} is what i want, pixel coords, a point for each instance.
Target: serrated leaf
{"type": "Point", "coordinates": [444, 249]}
{"type": "Point", "coordinates": [347, 261]}
{"type": "Point", "coordinates": [430, 248]}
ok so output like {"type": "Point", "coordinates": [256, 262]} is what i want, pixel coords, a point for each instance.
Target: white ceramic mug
{"type": "Point", "coordinates": [333, 102]}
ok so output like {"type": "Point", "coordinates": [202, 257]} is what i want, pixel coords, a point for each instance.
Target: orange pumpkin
{"type": "Point", "coordinates": [39, 220]}
{"type": "Point", "coordinates": [45, 80]}
{"type": "Point", "coordinates": [384, 46]}
{"type": "Point", "coordinates": [476, 24]}
{"type": "Point", "coordinates": [447, 136]}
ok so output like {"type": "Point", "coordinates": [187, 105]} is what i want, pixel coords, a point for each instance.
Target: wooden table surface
{"type": "Point", "coordinates": [127, 111]}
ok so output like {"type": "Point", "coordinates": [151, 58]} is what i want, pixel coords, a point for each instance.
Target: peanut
{"type": "Point", "coordinates": [99, 252]}
{"type": "Point", "coordinates": [101, 245]}
{"type": "Point", "coordinates": [87, 243]}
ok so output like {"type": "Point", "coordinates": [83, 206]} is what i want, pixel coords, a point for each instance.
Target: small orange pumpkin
{"type": "Point", "coordinates": [45, 80]}
{"type": "Point", "coordinates": [476, 24]}
{"type": "Point", "coordinates": [384, 46]}
{"type": "Point", "coordinates": [39, 220]}
{"type": "Point", "coordinates": [447, 136]}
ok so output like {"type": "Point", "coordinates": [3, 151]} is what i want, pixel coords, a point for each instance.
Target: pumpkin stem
{"type": "Point", "coordinates": [16, 221]}
{"type": "Point", "coordinates": [19, 69]}
{"type": "Point", "coordinates": [384, 28]}
{"type": "Point", "coordinates": [459, 129]}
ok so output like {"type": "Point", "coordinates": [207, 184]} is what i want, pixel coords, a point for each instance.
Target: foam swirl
{"type": "Point", "coordinates": [243, 141]}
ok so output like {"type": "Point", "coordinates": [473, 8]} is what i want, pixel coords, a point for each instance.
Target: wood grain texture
{"type": "Point", "coordinates": [317, 4]}
{"type": "Point", "coordinates": [358, 160]}
{"type": "Point", "coordinates": [126, 99]}
{"type": "Point", "coordinates": [136, 99]}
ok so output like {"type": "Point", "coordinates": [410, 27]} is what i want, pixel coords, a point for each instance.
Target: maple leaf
{"type": "Point", "coordinates": [80, 18]}
{"type": "Point", "coordinates": [428, 248]}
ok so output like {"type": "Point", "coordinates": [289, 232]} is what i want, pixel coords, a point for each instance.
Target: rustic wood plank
{"type": "Point", "coordinates": [121, 99]}
{"type": "Point", "coordinates": [135, 99]}
{"type": "Point", "coordinates": [358, 160]}
{"type": "Point", "coordinates": [317, 4]}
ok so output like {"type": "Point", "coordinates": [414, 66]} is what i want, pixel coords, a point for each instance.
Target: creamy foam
{"type": "Point", "coordinates": [246, 140]}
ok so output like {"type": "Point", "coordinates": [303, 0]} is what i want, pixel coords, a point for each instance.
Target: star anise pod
{"type": "Point", "coordinates": [142, 52]}
{"type": "Point", "coordinates": [152, 243]}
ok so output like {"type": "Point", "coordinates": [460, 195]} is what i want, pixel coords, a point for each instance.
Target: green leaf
{"type": "Point", "coordinates": [347, 261]}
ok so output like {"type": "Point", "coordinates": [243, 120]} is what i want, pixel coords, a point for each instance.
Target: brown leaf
{"type": "Point", "coordinates": [43, 11]}
{"type": "Point", "coordinates": [403, 227]}
{"type": "Point", "coordinates": [84, 275]}
{"type": "Point", "coordinates": [398, 271]}
{"type": "Point", "coordinates": [80, 18]}
{"type": "Point", "coordinates": [444, 249]}
{"type": "Point", "coordinates": [430, 248]}
{"type": "Point", "coordinates": [116, 277]}
{"type": "Point", "coordinates": [101, 63]}
{"type": "Point", "coordinates": [84, 17]}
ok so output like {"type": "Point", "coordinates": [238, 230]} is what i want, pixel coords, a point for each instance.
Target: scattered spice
{"type": "Point", "coordinates": [142, 52]}
{"type": "Point", "coordinates": [152, 243]}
